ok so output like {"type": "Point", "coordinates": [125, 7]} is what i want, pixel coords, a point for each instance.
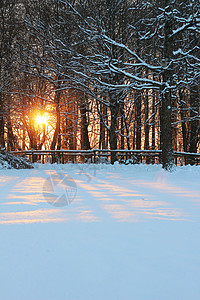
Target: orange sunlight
{"type": "Point", "coordinates": [41, 119]}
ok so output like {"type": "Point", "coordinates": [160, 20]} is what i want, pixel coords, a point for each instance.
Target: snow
{"type": "Point", "coordinates": [129, 232]}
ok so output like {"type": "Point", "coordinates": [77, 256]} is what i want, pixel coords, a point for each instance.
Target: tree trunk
{"type": "Point", "coordinates": [57, 129]}
{"type": "Point", "coordinates": [183, 125]}
{"type": "Point", "coordinates": [41, 143]}
{"type": "Point", "coordinates": [139, 121]}
{"type": "Point", "coordinates": [114, 108]}
{"type": "Point", "coordinates": [166, 94]}
{"type": "Point", "coordinates": [146, 129]}
{"type": "Point", "coordinates": [2, 139]}
{"type": "Point", "coordinates": [102, 142]}
{"type": "Point", "coordinates": [85, 143]}
{"type": "Point", "coordinates": [11, 137]}
{"type": "Point", "coordinates": [166, 131]}
{"type": "Point", "coordinates": [194, 116]}
{"type": "Point", "coordinates": [122, 131]}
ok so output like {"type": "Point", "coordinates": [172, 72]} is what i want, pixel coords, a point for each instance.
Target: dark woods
{"type": "Point", "coordinates": [117, 74]}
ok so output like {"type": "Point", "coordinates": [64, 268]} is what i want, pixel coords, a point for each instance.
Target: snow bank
{"type": "Point", "coordinates": [131, 232]}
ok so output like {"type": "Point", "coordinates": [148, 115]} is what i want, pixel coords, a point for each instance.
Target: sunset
{"type": "Point", "coordinates": [41, 119]}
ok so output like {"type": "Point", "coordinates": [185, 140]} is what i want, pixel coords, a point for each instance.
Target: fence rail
{"type": "Point", "coordinates": [104, 156]}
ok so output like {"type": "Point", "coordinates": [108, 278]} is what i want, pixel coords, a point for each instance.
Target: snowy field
{"type": "Point", "coordinates": [100, 233]}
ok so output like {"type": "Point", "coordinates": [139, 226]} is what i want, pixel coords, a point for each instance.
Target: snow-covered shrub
{"type": "Point", "coordinates": [10, 161]}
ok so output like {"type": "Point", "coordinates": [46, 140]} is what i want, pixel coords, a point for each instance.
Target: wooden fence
{"type": "Point", "coordinates": [104, 156]}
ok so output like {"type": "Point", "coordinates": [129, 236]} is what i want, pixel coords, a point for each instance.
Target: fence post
{"type": "Point", "coordinates": [33, 157]}
{"type": "Point", "coordinates": [52, 157]}
{"type": "Point", "coordinates": [62, 157]}
{"type": "Point", "coordinates": [94, 156]}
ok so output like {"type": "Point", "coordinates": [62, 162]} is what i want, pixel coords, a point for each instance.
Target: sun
{"type": "Point", "coordinates": [41, 119]}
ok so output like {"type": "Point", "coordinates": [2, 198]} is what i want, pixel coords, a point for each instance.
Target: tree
{"type": "Point", "coordinates": [11, 21]}
{"type": "Point", "coordinates": [166, 24]}
{"type": "Point", "coordinates": [125, 71]}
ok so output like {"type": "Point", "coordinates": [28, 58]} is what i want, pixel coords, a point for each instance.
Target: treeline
{"type": "Point", "coordinates": [118, 74]}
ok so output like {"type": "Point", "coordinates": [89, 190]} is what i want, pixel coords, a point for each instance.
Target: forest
{"type": "Point", "coordinates": [101, 74]}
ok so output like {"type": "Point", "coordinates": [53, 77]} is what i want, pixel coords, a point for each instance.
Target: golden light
{"type": "Point", "coordinates": [41, 119]}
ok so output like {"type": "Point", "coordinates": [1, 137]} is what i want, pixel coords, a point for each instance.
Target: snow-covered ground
{"type": "Point", "coordinates": [127, 233]}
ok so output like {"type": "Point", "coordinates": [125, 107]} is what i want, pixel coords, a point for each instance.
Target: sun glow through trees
{"type": "Point", "coordinates": [42, 119]}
